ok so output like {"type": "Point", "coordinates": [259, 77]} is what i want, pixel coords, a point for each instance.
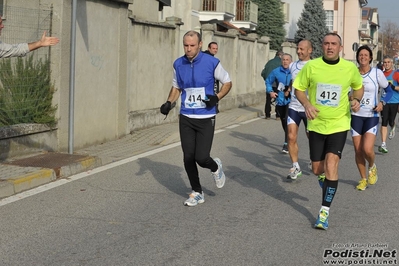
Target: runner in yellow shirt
{"type": "Point", "coordinates": [328, 80]}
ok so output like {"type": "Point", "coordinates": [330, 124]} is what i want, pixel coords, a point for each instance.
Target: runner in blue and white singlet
{"type": "Point", "coordinates": [373, 81]}
{"type": "Point", "coordinates": [295, 67]}
{"type": "Point", "coordinates": [296, 112]}
{"type": "Point", "coordinates": [364, 122]}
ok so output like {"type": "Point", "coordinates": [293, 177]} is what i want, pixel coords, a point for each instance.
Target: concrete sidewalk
{"type": "Point", "coordinates": [23, 174]}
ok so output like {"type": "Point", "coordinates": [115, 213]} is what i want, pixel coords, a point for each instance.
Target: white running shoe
{"type": "Point", "coordinates": [294, 173]}
{"type": "Point", "coordinates": [219, 176]}
{"type": "Point", "coordinates": [392, 132]}
{"type": "Point", "coordinates": [383, 148]}
{"type": "Point", "coordinates": [194, 199]}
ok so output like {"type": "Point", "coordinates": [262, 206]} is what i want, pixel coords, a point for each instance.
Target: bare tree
{"type": "Point", "coordinates": [389, 39]}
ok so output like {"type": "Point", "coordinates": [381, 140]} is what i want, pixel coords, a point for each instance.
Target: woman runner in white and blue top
{"type": "Point", "coordinates": [364, 123]}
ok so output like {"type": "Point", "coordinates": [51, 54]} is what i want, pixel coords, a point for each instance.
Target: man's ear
{"type": "Point", "coordinates": [200, 44]}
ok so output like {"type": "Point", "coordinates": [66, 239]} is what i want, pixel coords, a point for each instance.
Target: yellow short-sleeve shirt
{"type": "Point", "coordinates": [328, 87]}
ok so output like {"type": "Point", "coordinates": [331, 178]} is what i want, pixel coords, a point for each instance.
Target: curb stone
{"type": "Point", "coordinates": [26, 178]}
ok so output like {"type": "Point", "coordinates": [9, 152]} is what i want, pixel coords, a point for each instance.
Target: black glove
{"type": "Point", "coordinates": [392, 86]}
{"type": "Point", "coordinates": [165, 108]}
{"type": "Point", "coordinates": [211, 100]}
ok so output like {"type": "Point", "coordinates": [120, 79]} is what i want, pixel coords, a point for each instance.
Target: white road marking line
{"type": "Point", "coordinates": [249, 121]}
{"type": "Point", "coordinates": [69, 179]}
{"type": "Point", "coordinates": [233, 126]}
{"type": "Point", "coordinates": [97, 170]}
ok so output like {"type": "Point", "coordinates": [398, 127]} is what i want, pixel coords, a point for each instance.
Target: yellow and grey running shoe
{"type": "Point", "coordinates": [362, 184]}
{"type": "Point", "coordinates": [373, 177]}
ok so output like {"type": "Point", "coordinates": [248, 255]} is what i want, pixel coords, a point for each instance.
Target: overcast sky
{"type": "Point", "coordinates": [387, 10]}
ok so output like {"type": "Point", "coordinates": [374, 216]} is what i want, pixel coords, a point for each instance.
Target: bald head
{"type": "Point", "coordinates": [192, 44]}
{"type": "Point", "coordinates": [304, 50]}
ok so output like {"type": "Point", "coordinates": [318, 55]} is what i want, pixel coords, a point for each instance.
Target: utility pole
{"type": "Point", "coordinates": [382, 44]}
{"type": "Point", "coordinates": [71, 121]}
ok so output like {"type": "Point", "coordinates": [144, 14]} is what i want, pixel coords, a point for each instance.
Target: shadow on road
{"type": "Point", "coordinates": [268, 182]}
{"type": "Point", "coordinates": [167, 175]}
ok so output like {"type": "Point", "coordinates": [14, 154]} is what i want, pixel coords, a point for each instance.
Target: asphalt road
{"type": "Point", "coordinates": [133, 214]}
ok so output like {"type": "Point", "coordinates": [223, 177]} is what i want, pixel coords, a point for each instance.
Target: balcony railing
{"type": "Point", "coordinates": [246, 11]}
{"type": "Point", "coordinates": [218, 5]}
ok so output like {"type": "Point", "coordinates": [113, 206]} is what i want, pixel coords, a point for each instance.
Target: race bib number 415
{"type": "Point", "coordinates": [328, 94]}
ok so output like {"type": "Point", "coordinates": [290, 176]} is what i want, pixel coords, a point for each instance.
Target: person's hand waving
{"type": "Point", "coordinates": [48, 41]}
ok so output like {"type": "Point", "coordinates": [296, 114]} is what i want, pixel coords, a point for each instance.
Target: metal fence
{"type": "Point", "coordinates": [24, 81]}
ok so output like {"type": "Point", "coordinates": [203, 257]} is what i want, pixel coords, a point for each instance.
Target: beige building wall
{"type": "Point", "coordinates": [353, 17]}
{"type": "Point", "coordinates": [187, 10]}
{"type": "Point", "coordinates": [100, 70]}
{"type": "Point", "coordinates": [340, 17]}
{"type": "Point", "coordinates": [99, 61]}
{"type": "Point", "coordinates": [140, 10]}
{"type": "Point", "coordinates": [243, 58]}
{"type": "Point", "coordinates": [347, 18]}
{"type": "Point", "coordinates": [123, 70]}
{"type": "Point", "coordinates": [149, 72]}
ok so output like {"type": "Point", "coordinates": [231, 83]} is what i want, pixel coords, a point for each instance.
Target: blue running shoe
{"type": "Point", "coordinates": [321, 179]}
{"type": "Point", "coordinates": [322, 220]}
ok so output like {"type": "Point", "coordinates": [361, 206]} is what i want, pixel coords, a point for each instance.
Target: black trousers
{"type": "Point", "coordinates": [268, 105]}
{"type": "Point", "coordinates": [196, 136]}
{"type": "Point", "coordinates": [388, 114]}
{"type": "Point", "coordinates": [282, 112]}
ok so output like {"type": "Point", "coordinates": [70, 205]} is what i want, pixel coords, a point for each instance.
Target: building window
{"type": "Point", "coordinates": [286, 11]}
{"type": "Point", "coordinates": [209, 5]}
{"type": "Point", "coordinates": [330, 20]}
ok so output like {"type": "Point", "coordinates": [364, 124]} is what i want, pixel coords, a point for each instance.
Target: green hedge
{"type": "Point", "coordinates": [26, 92]}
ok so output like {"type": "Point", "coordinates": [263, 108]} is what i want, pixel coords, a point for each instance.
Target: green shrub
{"type": "Point", "coordinates": [26, 92]}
